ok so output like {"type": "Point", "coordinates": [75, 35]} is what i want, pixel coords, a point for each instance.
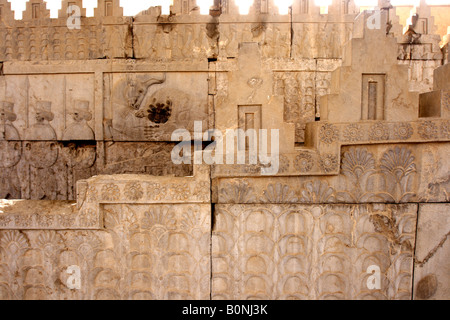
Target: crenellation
{"type": "Point", "coordinates": [343, 7]}
{"type": "Point", "coordinates": [66, 4]}
{"type": "Point", "coordinates": [108, 8]}
{"type": "Point", "coordinates": [197, 155]}
{"type": "Point", "coordinates": [6, 14]}
{"type": "Point", "coordinates": [36, 10]}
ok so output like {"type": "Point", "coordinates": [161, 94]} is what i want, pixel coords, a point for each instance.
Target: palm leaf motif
{"type": "Point", "coordinates": [237, 192]}
{"type": "Point", "coordinates": [357, 162]}
{"type": "Point", "coordinates": [398, 166]}
{"type": "Point", "coordinates": [358, 165]}
{"type": "Point", "coordinates": [279, 193]}
{"type": "Point", "coordinates": [318, 192]}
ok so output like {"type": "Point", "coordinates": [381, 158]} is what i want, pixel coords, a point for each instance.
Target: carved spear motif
{"type": "Point", "coordinates": [27, 100]}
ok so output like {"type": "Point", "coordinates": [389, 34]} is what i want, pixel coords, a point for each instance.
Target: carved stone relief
{"type": "Point", "coordinates": [375, 174]}
{"type": "Point", "coordinates": [50, 107]}
{"type": "Point", "coordinates": [145, 252]}
{"type": "Point", "coordinates": [312, 252]}
{"type": "Point", "coordinates": [152, 107]}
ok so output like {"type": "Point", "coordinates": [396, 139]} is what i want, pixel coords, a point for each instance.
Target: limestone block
{"type": "Point", "coordinates": [434, 104]}
{"type": "Point", "coordinates": [431, 268]}
{"type": "Point", "coordinates": [313, 251]}
{"type": "Point", "coordinates": [320, 40]}
{"type": "Point", "coordinates": [441, 76]}
{"type": "Point", "coordinates": [108, 9]}
{"type": "Point", "coordinates": [144, 252]}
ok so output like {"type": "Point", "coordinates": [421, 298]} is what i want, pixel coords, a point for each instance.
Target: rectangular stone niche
{"type": "Point", "coordinates": [373, 93]}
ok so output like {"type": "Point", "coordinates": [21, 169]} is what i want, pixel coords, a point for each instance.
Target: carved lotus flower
{"type": "Point", "coordinates": [180, 191]}
{"type": "Point", "coordinates": [50, 242]}
{"type": "Point", "coordinates": [284, 164]}
{"type": "Point", "coordinates": [84, 242]}
{"type": "Point", "coordinates": [403, 131]}
{"type": "Point", "coordinates": [110, 192]}
{"type": "Point", "coordinates": [191, 219]}
{"type": "Point", "coordinates": [88, 218]}
{"type": "Point", "coordinates": [92, 194]}
{"type": "Point", "coordinates": [134, 191]}
{"type": "Point", "coordinates": [5, 221]}
{"type": "Point", "coordinates": [353, 133]}
{"type": "Point", "coordinates": [445, 130]}
{"type": "Point", "coordinates": [48, 239]}
{"type": "Point", "coordinates": [329, 163]}
{"type": "Point", "coordinates": [121, 220]}
{"type": "Point", "coordinates": [159, 219]}
{"type": "Point", "coordinates": [156, 192]}
{"type": "Point", "coordinates": [428, 130]}
{"type": "Point", "coordinates": [202, 191]}
{"type": "Point", "coordinates": [304, 162]}
{"type": "Point", "coordinates": [379, 132]}
{"type": "Point", "coordinates": [329, 133]}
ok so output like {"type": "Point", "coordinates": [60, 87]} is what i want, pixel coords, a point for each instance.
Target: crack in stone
{"type": "Point", "coordinates": [432, 252]}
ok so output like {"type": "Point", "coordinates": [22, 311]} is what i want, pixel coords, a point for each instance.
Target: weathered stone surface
{"type": "Point", "coordinates": [312, 251]}
{"type": "Point", "coordinates": [128, 239]}
{"type": "Point", "coordinates": [88, 115]}
{"type": "Point", "coordinates": [431, 269]}
{"type": "Point", "coordinates": [46, 215]}
{"type": "Point", "coordinates": [391, 173]}
{"type": "Point", "coordinates": [144, 252]}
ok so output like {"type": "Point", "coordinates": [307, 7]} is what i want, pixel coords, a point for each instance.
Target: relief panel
{"type": "Point", "coordinates": [145, 252]}
{"type": "Point", "coordinates": [150, 107]}
{"type": "Point", "coordinates": [309, 252]}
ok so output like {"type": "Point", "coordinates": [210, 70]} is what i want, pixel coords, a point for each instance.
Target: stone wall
{"type": "Point", "coordinates": [95, 208]}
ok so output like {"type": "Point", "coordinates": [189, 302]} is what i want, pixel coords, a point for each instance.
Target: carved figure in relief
{"type": "Point", "coordinates": [136, 90]}
{"type": "Point", "coordinates": [189, 42]}
{"type": "Point", "coordinates": [7, 116]}
{"type": "Point", "coordinates": [323, 38]}
{"type": "Point", "coordinates": [80, 130]}
{"type": "Point", "coordinates": [307, 46]}
{"type": "Point", "coordinates": [267, 42]}
{"type": "Point", "coordinates": [232, 44]}
{"type": "Point", "coordinates": [10, 153]}
{"type": "Point", "coordinates": [177, 45]}
{"type": "Point", "coordinates": [42, 154]}
{"type": "Point", "coordinates": [281, 42]}
{"type": "Point", "coordinates": [42, 130]}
